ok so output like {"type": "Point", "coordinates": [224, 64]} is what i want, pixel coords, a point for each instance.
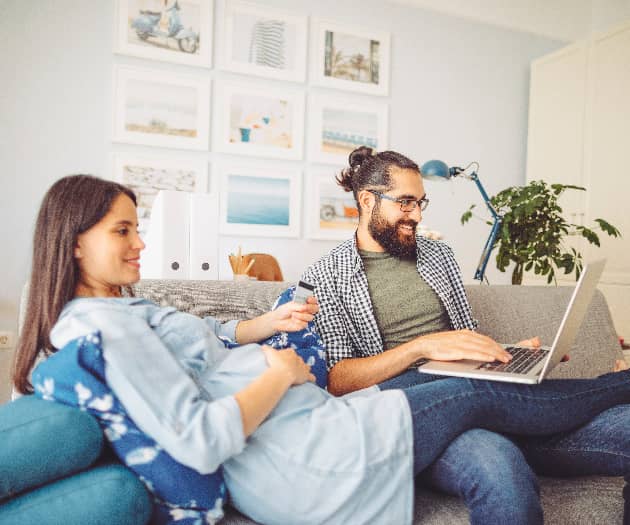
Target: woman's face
{"type": "Point", "coordinates": [108, 254]}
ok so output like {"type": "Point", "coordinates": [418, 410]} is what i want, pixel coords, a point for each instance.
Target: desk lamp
{"type": "Point", "coordinates": [438, 170]}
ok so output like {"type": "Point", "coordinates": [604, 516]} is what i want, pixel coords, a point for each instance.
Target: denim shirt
{"type": "Point", "coordinates": [315, 458]}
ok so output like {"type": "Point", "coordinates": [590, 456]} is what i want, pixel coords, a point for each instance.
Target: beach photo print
{"type": "Point", "coordinates": [259, 200]}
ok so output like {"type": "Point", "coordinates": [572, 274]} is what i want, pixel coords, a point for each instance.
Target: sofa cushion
{"type": "Point", "coordinates": [75, 375]}
{"type": "Point", "coordinates": [41, 442]}
{"type": "Point", "coordinates": [224, 300]}
{"type": "Point", "coordinates": [306, 343]}
{"type": "Point", "coordinates": [105, 495]}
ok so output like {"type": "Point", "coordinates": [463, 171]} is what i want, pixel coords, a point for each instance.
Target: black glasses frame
{"type": "Point", "coordinates": [406, 205]}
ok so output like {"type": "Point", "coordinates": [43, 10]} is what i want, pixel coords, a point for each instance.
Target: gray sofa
{"type": "Point", "coordinates": [507, 313]}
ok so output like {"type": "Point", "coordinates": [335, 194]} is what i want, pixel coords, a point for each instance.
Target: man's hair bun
{"type": "Point", "coordinates": [358, 156]}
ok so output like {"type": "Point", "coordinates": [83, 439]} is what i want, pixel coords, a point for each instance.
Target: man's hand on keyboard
{"type": "Point", "coordinates": [454, 345]}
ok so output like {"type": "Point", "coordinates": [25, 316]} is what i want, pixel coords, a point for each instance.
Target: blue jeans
{"type": "Point", "coordinates": [490, 472]}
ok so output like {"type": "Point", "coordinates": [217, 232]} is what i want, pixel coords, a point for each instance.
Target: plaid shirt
{"type": "Point", "coordinates": [346, 321]}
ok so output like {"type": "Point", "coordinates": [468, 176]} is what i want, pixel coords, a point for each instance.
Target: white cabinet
{"type": "Point", "coordinates": [579, 133]}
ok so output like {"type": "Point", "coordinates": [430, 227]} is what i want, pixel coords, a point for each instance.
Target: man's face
{"type": "Point", "coordinates": [393, 229]}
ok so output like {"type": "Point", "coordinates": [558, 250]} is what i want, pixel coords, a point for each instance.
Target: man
{"type": "Point", "coordinates": [389, 298]}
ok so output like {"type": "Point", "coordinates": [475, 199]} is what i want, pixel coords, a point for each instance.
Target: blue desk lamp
{"type": "Point", "coordinates": [438, 170]}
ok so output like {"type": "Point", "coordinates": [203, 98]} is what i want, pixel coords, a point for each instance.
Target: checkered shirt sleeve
{"type": "Point", "coordinates": [345, 320]}
{"type": "Point", "coordinates": [439, 268]}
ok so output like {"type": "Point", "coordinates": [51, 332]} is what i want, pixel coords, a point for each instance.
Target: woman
{"type": "Point", "coordinates": [291, 453]}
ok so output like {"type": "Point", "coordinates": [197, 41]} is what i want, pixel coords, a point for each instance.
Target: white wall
{"type": "Point", "coordinates": [558, 19]}
{"type": "Point", "coordinates": [458, 92]}
{"type": "Point", "coordinates": [561, 19]}
{"type": "Point", "coordinates": [608, 13]}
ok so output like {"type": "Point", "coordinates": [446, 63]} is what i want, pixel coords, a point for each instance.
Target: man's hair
{"type": "Point", "coordinates": [368, 169]}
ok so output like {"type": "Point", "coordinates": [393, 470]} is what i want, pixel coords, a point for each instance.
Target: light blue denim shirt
{"type": "Point", "coordinates": [315, 459]}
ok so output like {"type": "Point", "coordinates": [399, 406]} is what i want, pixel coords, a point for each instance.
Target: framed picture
{"type": "Point", "coordinates": [161, 108]}
{"type": "Point", "coordinates": [148, 174]}
{"type": "Point", "coordinates": [346, 57]}
{"type": "Point", "coordinates": [259, 200]}
{"type": "Point", "coordinates": [331, 212]}
{"type": "Point", "coordinates": [261, 40]}
{"type": "Point", "coordinates": [172, 30]}
{"type": "Point", "coordinates": [338, 124]}
{"type": "Point", "coordinates": [260, 120]}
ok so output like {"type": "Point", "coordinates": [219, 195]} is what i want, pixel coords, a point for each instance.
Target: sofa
{"type": "Point", "coordinates": [507, 313]}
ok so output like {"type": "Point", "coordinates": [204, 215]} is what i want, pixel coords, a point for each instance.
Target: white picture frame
{"type": "Point", "coordinates": [146, 174]}
{"type": "Point", "coordinates": [338, 124]}
{"type": "Point", "coordinates": [262, 40]}
{"type": "Point", "coordinates": [349, 57]}
{"type": "Point", "coordinates": [161, 108]}
{"type": "Point", "coordinates": [261, 200]}
{"type": "Point", "coordinates": [258, 119]}
{"type": "Point", "coordinates": [144, 28]}
{"type": "Point", "coordinates": [331, 213]}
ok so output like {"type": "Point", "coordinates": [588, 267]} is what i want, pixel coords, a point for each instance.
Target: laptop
{"type": "Point", "coordinates": [530, 365]}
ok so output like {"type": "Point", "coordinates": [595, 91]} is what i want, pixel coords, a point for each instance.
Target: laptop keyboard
{"type": "Point", "coordinates": [523, 360]}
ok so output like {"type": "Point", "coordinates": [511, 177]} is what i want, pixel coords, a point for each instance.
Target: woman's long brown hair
{"type": "Point", "coordinates": [70, 207]}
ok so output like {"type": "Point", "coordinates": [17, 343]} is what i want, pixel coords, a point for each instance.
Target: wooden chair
{"type": "Point", "coordinates": [265, 267]}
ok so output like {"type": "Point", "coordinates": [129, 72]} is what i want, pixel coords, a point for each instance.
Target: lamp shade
{"type": "Point", "coordinates": [435, 170]}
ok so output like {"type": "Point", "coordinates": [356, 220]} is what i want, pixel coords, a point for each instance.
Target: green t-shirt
{"type": "Point", "coordinates": [405, 306]}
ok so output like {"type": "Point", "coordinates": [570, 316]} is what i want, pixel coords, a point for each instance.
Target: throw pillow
{"type": "Point", "coordinates": [75, 375]}
{"type": "Point", "coordinates": [102, 495]}
{"type": "Point", "coordinates": [306, 343]}
{"type": "Point", "coordinates": [41, 442]}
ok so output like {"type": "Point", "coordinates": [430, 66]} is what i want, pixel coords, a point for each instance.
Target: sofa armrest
{"type": "Point", "coordinates": [512, 313]}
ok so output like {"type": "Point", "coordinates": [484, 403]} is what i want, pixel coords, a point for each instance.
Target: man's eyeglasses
{"type": "Point", "coordinates": [406, 205]}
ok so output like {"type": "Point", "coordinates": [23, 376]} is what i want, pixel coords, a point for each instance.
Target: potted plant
{"type": "Point", "coordinates": [533, 232]}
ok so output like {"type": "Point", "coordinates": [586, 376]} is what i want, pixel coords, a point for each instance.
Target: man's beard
{"type": "Point", "coordinates": [387, 236]}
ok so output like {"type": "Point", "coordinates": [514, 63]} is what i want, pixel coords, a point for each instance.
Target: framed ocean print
{"type": "Point", "coordinates": [177, 31]}
{"type": "Point", "coordinates": [258, 119]}
{"type": "Point", "coordinates": [339, 124]}
{"type": "Point", "coordinates": [262, 40]}
{"type": "Point", "coordinates": [147, 174]}
{"type": "Point", "coordinates": [347, 57]}
{"type": "Point", "coordinates": [331, 212]}
{"type": "Point", "coordinates": [161, 108]}
{"type": "Point", "coordinates": [259, 200]}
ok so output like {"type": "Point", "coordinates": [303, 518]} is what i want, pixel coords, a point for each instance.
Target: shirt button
{"type": "Point", "coordinates": [178, 427]}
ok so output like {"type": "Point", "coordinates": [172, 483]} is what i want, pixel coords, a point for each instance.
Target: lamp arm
{"type": "Point", "coordinates": [474, 177]}
{"type": "Point", "coordinates": [496, 226]}
{"type": "Point", "coordinates": [485, 254]}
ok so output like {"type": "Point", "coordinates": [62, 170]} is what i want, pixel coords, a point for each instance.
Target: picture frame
{"type": "Point", "coordinates": [350, 58]}
{"type": "Point", "coordinates": [259, 200]}
{"type": "Point", "coordinates": [180, 32]}
{"type": "Point", "coordinates": [146, 174]}
{"type": "Point", "coordinates": [161, 108]}
{"type": "Point", "coordinates": [331, 212]}
{"type": "Point", "coordinates": [262, 40]}
{"type": "Point", "coordinates": [338, 124]}
{"type": "Point", "coordinates": [249, 121]}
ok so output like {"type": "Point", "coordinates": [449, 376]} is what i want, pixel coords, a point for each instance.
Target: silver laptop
{"type": "Point", "coordinates": [530, 365]}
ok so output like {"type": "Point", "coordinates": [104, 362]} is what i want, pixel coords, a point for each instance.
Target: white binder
{"type": "Point", "coordinates": [182, 239]}
{"type": "Point", "coordinates": [204, 236]}
{"type": "Point", "coordinates": [166, 252]}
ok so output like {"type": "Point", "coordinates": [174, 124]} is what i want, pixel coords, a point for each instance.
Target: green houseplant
{"type": "Point", "coordinates": [533, 232]}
